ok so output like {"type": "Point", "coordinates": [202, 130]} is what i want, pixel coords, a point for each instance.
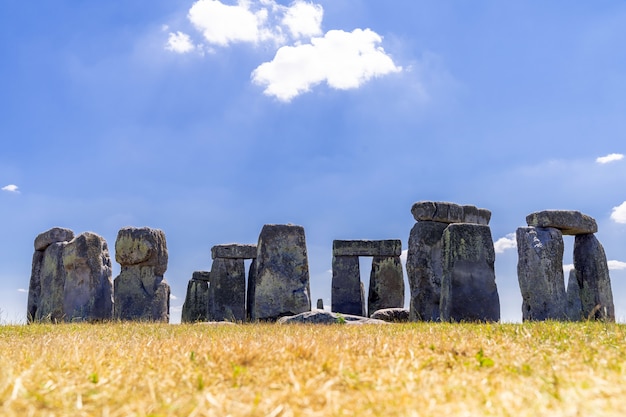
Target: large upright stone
{"type": "Point", "coordinates": [141, 292]}
{"type": "Point", "coordinates": [346, 286]}
{"type": "Point", "coordinates": [282, 273]}
{"type": "Point", "coordinates": [52, 285]}
{"type": "Point", "coordinates": [540, 273]}
{"type": "Point", "coordinates": [569, 222]}
{"type": "Point", "coordinates": [228, 290]}
{"type": "Point", "coordinates": [445, 212]}
{"type": "Point", "coordinates": [386, 289]}
{"type": "Point", "coordinates": [594, 281]}
{"type": "Point", "coordinates": [424, 269]}
{"type": "Point", "coordinates": [468, 286]}
{"type": "Point", "coordinates": [574, 307]}
{"type": "Point", "coordinates": [196, 305]}
{"type": "Point", "coordinates": [88, 289]}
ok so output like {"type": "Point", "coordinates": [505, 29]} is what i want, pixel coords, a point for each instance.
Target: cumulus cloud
{"type": "Point", "coordinates": [616, 265]}
{"type": "Point", "coordinates": [505, 243]}
{"type": "Point", "coordinates": [22, 290]}
{"type": "Point", "coordinates": [619, 213]}
{"type": "Point", "coordinates": [344, 60]}
{"type": "Point", "coordinates": [610, 158]}
{"type": "Point", "coordinates": [567, 268]}
{"type": "Point", "coordinates": [11, 188]}
{"type": "Point", "coordinates": [179, 42]}
{"type": "Point", "coordinates": [303, 19]}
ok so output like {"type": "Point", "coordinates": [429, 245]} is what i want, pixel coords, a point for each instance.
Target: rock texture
{"type": "Point", "coordinates": [574, 307]}
{"type": "Point", "coordinates": [346, 286]}
{"type": "Point", "coordinates": [325, 317]}
{"type": "Point", "coordinates": [540, 273]}
{"type": "Point", "coordinates": [196, 305]}
{"type": "Point", "coordinates": [234, 251]}
{"type": "Point", "coordinates": [228, 290]}
{"type": "Point", "coordinates": [141, 291]}
{"type": "Point", "coordinates": [424, 269]}
{"type": "Point", "coordinates": [392, 247]}
{"type": "Point", "coordinates": [445, 212]}
{"type": "Point", "coordinates": [569, 222]}
{"type": "Point", "coordinates": [386, 289]}
{"type": "Point", "coordinates": [592, 274]}
{"type": "Point", "coordinates": [468, 285]}
{"type": "Point", "coordinates": [281, 285]}
{"type": "Point", "coordinates": [392, 315]}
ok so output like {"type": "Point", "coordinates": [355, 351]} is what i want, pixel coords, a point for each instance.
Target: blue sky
{"type": "Point", "coordinates": [209, 119]}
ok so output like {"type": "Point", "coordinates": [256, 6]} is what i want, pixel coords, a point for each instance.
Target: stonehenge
{"type": "Point", "coordinates": [540, 269]}
{"type": "Point", "coordinates": [196, 305]}
{"type": "Point", "coordinates": [450, 264]}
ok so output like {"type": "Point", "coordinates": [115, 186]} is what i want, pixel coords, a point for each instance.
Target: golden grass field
{"type": "Point", "coordinates": [419, 369]}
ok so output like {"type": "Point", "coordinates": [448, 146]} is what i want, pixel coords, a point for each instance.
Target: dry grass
{"type": "Point", "coordinates": [555, 369]}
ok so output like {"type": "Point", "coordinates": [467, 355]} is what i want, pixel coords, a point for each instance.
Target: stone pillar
{"type": "Point", "coordinates": [196, 305]}
{"type": "Point", "coordinates": [386, 289]}
{"type": "Point", "coordinates": [346, 286]}
{"type": "Point", "coordinates": [251, 290]}
{"type": "Point", "coordinates": [540, 273]}
{"type": "Point", "coordinates": [468, 285]}
{"type": "Point", "coordinates": [228, 290]}
{"type": "Point", "coordinates": [141, 292]}
{"type": "Point", "coordinates": [593, 277]}
{"type": "Point", "coordinates": [320, 304]}
{"type": "Point", "coordinates": [282, 273]}
{"type": "Point", "coordinates": [574, 307]}
{"type": "Point", "coordinates": [424, 269]}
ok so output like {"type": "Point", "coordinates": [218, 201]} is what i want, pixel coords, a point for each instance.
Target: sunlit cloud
{"type": "Point", "coordinates": [11, 188]}
{"type": "Point", "coordinates": [505, 243]}
{"type": "Point", "coordinates": [616, 265]}
{"type": "Point", "coordinates": [179, 42]}
{"type": "Point", "coordinates": [22, 290]}
{"type": "Point", "coordinates": [619, 213]}
{"type": "Point", "coordinates": [567, 268]}
{"type": "Point", "coordinates": [610, 158]}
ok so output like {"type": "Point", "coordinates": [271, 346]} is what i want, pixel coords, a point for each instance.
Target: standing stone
{"type": "Point", "coordinates": [141, 292]}
{"type": "Point", "coordinates": [540, 273]}
{"type": "Point", "coordinates": [88, 289]}
{"type": "Point", "coordinates": [594, 281]}
{"type": "Point", "coordinates": [251, 289]}
{"type": "Point", "coordinates": [346, 286]}
{"type": "Point", "coordinates": [424, 269]}
{"type": "Point", "coordinates": [34, 287]}
{"type": "Point", "coordinates": [386, 289]}
{"type": "Point", "coordinates": [468, 286]}
{"type": "Point", "coordinates": [282, 273]}
{"type": "Point", "coordinates": [196, 305]}
{"type": "Point", "coordinates": [574, 306]}
{"type": "Point", "coordinates": [363, 304]}
{"type": "Point", "coordinates": [228, 290]}
{"type": "Point", "coordinates": [320, 304]}
{"type": "Point", "coordinates": [52, 281]}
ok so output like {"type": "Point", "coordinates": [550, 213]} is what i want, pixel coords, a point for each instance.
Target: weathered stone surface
{"type": "Point", "coordinates": [234, 251]}
{"type": "Point", "coordinates": [251, 290]}
{"type": "Point", "coordinates": [594, 281]}
{"type": "Point", "coordinates": [568, 222]}
{"type": "Point", "coordinates": [88, 289]}
{"type": "Point", "coordinates": [196, 305]}
{"type": "Point", "coordinates": [140, 291]}
{"type": "Point", "coordinates": [424, 269]}
{"type": "Point", "coordinates": [468, 285]}
{"type": "Point", "coordinates": [34, 287]}
{"type": "Point", "coordinates": [201, 276]}
{"type": "Point", "coordinates": [320, 304]}
{"type": "Point", "coordinates": [386, 289]}
{"type": "Point", "coordinates": [142, 247]}
{"type": "Point", "coordinates": [444, 212]}
{"type": "Point", "coordinates": [228, 290]}
{"type": "Point", "coordinates": [52, 284]}
{"type": "Point", "coordinates": [346, 286]}
{"type": "Point", "coordinates": [392, 247]}
{"type": "Point", "coordinates": [574, 307]}
{"type": "Point", "coordinates": [393, 315]}
{"type": "Point", "coordinates": [363, 303]}
{"type": "Point", "coordinates": [282, 273]}
{"type": "Point", "coordinates": [325, 317]}
{"type": "Point", "coordinates": [540, 273]}
{"type": "Point", "coordinates": [54, 235]}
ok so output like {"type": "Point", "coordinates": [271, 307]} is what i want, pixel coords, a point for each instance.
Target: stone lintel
{"type": "Point", "coordinates": [444, 212]}
{"type": "Point", "coordinates": [233, 251]}
{"type": "Point", "coordinates": [569, 222]}
{"type": "Point", "coordinates": [367, 247]}
{"type": "Point", "coordinates": [201, 276]}
{"type": "Point", "coordinates": [54, 235]}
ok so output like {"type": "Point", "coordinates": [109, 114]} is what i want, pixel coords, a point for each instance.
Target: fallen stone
{"type": "Point", "coordinates": [326, 317]}
{"type": "Point", "coordinates": [142, 247]}
{"type": "Point", "coordinates": [54, 235]}
{"type": "Point", "coordinates": [568, 222]}
{"type": "Point", "coordinates": [594, 281]}
{"type": "Point", "coordinates": [367, 247]}
{"type": "Point", "coordinates": [393, 315]}
{"type": "Point", "coordinates": [234, 251]}
{"type": "Point", "coordinates": [228, 290]}
{"type": "Point", "coordinates": [468, 286]}
{"type": "Point", "coordinates": [424, 269]}
{"type": "Point", "coordinates": [444, 212]}
{"type": "Point", "coordinates": [282, 273]}
{"type": "Point", "coordinates": [574, 307]}
{"type": "Point", "coordinates": [386, 289]}
{"type": "Point", "coordinates": [346, 286]}
{"type": "Point", "coordinates": [196, 305]}
{"type": "Point", "coordinates": [540, 273]}
{"type": "Point", "coordinates": [88, 288]}
{"type": "Point", "coordinates": [217, 323]}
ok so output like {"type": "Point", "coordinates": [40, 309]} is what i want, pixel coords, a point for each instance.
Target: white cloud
{"type": "Point", "coordinates": [616, 265]}
{"type": "Point", "coordinates": [173, 297]}
{"type": "Point", "coordinates": [403, 256]}
{"type": "Point", "coordinates": [179, 42]}
{"type": "Point", "coordinates": [610, 158]}
{"type": "Point", "coordinates": [619, 213]}
{"type": "Point", "coordinates": [567, 268]}
{"type": "Point", "coordinates": [344, 60]}
{"type": "Point", "coordinates": [222, 24]}
{"type": "Point", "coordinates": [303, 19]}
{"type": "Point", "coordinates": [22, 290]}
{"type": "Point", "coordinates": [11, 188]}
{"type": "Point", "coordinates": [505, 243]}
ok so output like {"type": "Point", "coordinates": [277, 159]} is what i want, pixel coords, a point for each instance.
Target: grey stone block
{"type": "Point", "coordinates": [392, 315]}
{"type": "Point", "coordinates": [574, 306]}
{"type": "Point", "coordinates": [228, 290]}
{"type": "Point", "coordinates": [54, 235]}
{"type": "Point", "coordinates": [567, 221]}
{"type": "Point", "coordinates": [196, 305]}
{"type": "Point", "coordinates": [367, 247]}
{"type": "Point", "coordinates": [234, 251]}
{"type": "Point", "coordinates": [346, 286]}
{"type": "Point", "coordinates": [386, 289]}
{"type": "Point", "coordinates": [201, 276]}
{"type": "Point", "coordinates": [444, 212]}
